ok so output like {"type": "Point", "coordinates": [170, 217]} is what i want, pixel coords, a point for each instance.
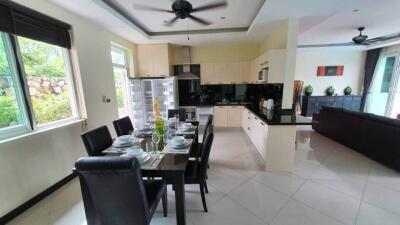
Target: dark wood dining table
{"type": "Point", "coordinates": [171, 168]}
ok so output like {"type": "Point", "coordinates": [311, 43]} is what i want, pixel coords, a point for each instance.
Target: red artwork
{"type": "Point", "coordinates": [330, 71]}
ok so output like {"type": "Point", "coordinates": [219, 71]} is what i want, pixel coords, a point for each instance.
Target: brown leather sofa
{"type": "Point", "coordinates": [377, 137]}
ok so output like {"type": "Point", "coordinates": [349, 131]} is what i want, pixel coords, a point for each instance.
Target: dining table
{"type": "Point", "coordinates": [168, 164]}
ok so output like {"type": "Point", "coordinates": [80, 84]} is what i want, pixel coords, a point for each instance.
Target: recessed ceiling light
{"type": "Point", "coordinates": [222, 17]}
{"type": "Point", "coordinates": [356, 10]}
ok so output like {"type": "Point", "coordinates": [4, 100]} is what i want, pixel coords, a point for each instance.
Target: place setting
{"type": "Point", "coordinates": [144, 130]}
{"type": "Point", "coordinates": [185, 128]}
{"type": "Point", "coordinates": [178, 145]}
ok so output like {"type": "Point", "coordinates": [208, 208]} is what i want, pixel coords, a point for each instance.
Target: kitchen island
{"type": "Point", "coordinates": [273, 134]}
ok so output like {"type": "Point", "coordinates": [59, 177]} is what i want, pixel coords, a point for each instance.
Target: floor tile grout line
{"type": "Point", "coordinates": [363, 194]}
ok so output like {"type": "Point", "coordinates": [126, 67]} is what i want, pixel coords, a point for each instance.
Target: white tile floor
{"type": "Point", "coordinates": [330, 185]}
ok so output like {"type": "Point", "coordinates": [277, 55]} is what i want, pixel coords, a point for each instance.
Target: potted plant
{"type": "Point", "coordinates": [308, 90]}
{"type": "Point", "coordinates": [330, 91]}
{"type": "Point", "coordinates": [347, 90]}
{"type": "Point", "coordinates": [158, 125]}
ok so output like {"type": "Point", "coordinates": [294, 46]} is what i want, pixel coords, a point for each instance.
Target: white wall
{"type": "Point", "coordinates": [30, 164]}
{"type": "Point", "coordinates": [352, 59]}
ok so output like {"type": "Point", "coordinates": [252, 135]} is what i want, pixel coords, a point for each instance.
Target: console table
{"type": "Point", "coordinates": [312, 104]}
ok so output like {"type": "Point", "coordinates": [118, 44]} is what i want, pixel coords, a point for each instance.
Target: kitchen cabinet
{"type": "Point", "coordinates": [257, 130]}
{"type": "Point", "coordinates": [220, 73]}
{"type": "Point", "coordinates": [244, 72]}
{"type": "Point", "coordinates": [228, 116]}
{"type": "Point", "coordinates": [207, 73]}
{"type": "Point", "coordinates": [154, 60]}
{"type": "Point", "coordinates": [234, 116]}
{"type": "Point", "coordinates": [220, 116]}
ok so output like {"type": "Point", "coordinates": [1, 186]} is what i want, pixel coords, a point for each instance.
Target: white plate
{"type": "Point", "coordinates": [184, 145]}
{"type": "Point", "coordinates": [121, 145]}
{"type": "Point", "coordinates": [141, 160]}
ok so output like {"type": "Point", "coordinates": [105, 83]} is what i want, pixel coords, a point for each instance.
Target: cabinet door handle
{"type": "Point", "coordinates": [248, 128]}
{"type": "Point", "coordinates": [255, 118]}
{"type": "Point", "coordinates": [249, 118]}
{"type": "Point", "coordinates": [262, 124]}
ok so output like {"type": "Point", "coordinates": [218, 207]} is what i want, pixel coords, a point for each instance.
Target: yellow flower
{"type": "Point", "coordinates": [156, 109]}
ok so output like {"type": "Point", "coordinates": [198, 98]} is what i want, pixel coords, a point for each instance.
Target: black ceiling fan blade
{"type": "Point", "coordinates": [150, 8]}
{"type": "Point", "coordinates": [171, 22]}
{"type": "Point", "coordinates": [201, 21]}
{"type": "Point", "coordinates": [210, 6]}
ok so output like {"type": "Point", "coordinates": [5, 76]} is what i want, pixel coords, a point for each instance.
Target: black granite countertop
{"type": "Point", "coordinates": [272, 117]}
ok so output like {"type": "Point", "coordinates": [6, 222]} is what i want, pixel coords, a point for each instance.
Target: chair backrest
{"type": "Point", "coordinates": [113, 191]}
{"type": "Point", "coordinates": [97, 140]}
{"type": "Point", "coordinates": [180, 112]}
{"type": "Point", "coordinates": [123, 126]}
{"type": "Point", "coordinates": [209, 125]}
{"type": "Point", "coordinates": [205, 155]}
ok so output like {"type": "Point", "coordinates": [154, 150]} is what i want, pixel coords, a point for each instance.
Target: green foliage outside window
{"type": "Point", "coordinates": [9, 111]}
{"type": "Point", "coordinates": [51, 107]}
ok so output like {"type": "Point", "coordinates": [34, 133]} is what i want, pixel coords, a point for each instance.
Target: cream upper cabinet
{"type": "Point", "coordinates": [220, 73]}
{"type": "Point", "coordinates": [154, 60]}
{"type": "Point", "coordinates": [244, 72]}
{"type": "Point", "coordinates": [207, 73]}
{"type": "Point", "coordinates": [232, 73]}
{"type": "Point", "coordinates": [234, 116]}
{"type": "Point", "coordinates": [220, 116]}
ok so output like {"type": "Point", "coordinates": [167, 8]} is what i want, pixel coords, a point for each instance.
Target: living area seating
{"type": "Point", "coordinates": [377, 137]}
{"type": "Point", "coordinates": [114, 192]}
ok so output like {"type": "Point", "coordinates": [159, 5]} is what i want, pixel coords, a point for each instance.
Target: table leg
{"type": "Point", "coordinates": [180, 199]}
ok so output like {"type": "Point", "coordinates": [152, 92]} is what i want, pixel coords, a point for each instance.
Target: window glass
{"type": "Point", "coordinates": [48, 80]}
{"type": "Point", "coordinates": [387, 74]}
{"type": "Point", "coordinates": [10, 113]}
{"type": "Point", "coordinates": [118, 56]}
{"type": "Point", "coordinates": [120, 70]}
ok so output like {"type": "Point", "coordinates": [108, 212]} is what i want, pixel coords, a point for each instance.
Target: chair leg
{"type": "Point", "coordinates": [165, 204]}
{"type": "Point", "coordinates": [205, 186]}
{"type": "Point", "coordinates": [203, 197]}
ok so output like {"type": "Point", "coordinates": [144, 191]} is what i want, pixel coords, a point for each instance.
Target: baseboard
{"type": "Point", "coordinates": [31, 202]}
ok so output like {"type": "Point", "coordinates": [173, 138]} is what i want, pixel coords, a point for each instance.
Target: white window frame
{"type": "Point", "coordinates": [126, 67]}
{"type": "Point", "coordinates": [23, 128]}
{"type": "Point", "coordinates": [71, 92]}
{"type": "Point", "coordinates": [29, 124]}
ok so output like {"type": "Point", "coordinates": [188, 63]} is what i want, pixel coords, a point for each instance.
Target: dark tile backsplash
{"type": "Point", "coordinates": [192, 93]}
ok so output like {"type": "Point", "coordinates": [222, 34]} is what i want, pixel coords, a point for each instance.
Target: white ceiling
{"type": "Point", "coordinates": [321, 21]}
{"type": "Point", "coordinates": [153, 21]}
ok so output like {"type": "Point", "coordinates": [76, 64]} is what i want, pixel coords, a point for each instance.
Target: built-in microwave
{"type": "Point", "coordinates": [263, 75]}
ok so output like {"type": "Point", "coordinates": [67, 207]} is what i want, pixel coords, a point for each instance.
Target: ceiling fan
{"type": "Point", "coordinates": [359, 40]}
{"type": "Point", "coordinates": [184, 9]}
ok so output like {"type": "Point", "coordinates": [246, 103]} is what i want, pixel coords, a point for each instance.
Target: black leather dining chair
{"type": "Point", "coordinates": [97, 140]}
{"type": "Point", "coordinates": [196, 150]}
{"type": "Point", "coordinates": [114, 192]}
{"type": "Point", "coordinates": [123, 126]}
{"type": "Point", "coordinates": [180, 112]}
{"type": "Point", "coordinates": [196, 171]}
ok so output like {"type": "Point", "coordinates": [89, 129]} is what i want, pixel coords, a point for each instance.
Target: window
{"type": "Point", "coordinates": [12, 114]}
{"type": "Point", "coordinates": [384, 94]}
{"type": "Point", "coordinates": [40, 96]}
{"type": "Point", "coordinates": [120, 69]}
{"type": "Point", "coordinates": [48, 80]}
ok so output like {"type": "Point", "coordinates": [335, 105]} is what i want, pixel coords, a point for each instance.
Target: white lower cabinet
{"type": "Point", "coordinates": [228, 116]}
{"type": "Point", "coordinates": [257, 130]}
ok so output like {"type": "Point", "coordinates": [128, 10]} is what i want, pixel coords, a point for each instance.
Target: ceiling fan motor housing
{"type": "Point", "coordinates": [182, 9]}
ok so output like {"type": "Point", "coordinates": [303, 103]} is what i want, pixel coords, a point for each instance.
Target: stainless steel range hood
{"type": "Point", "coordinates": [186, 61]}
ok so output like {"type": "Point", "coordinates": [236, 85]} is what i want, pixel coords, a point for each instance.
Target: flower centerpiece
{"type": "Point", "coordinates": [158, 124]}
